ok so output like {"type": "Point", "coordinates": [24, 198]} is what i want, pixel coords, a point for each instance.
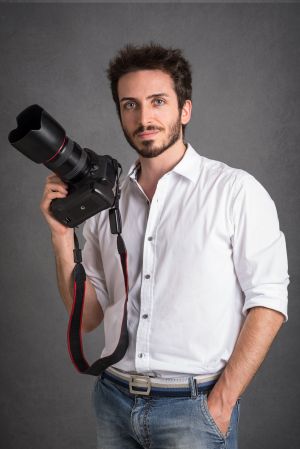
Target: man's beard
{"type": "Point", "coordinates": [147, 148]}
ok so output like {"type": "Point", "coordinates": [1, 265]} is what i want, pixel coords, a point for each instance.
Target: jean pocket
{"type": "Point", "coordinates": [210, 420]}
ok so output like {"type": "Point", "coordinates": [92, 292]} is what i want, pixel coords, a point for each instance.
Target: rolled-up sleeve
{"type": "Point", "coordinates": [259, 247]}
{"type": "Point", "coordinates": [92, 261]}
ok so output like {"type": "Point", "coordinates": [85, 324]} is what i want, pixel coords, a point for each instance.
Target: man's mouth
{"type": "Point", "coordinates": [147, 131]}
{"type": "Point", "coordinates": [146, 134]}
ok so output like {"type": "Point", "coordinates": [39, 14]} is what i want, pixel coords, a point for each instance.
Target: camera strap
{"type": "Point", "coordinates": [79, 277]}
{"type": "Point", "coordinates": [74, 327]}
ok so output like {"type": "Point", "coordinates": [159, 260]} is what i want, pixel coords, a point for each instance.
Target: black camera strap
{"type": "Point", "coordinates": [79, 278]}
{"type": "Point", "coordinates": [74, 328]}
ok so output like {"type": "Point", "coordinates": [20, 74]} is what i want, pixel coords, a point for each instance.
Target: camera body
{"type": "Point", "coordinates": [92, 178]}
{"type": "Point", "coordinates": [90, 195]}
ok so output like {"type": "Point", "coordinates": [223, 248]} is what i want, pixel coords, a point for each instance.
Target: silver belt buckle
{"type": "Point", "coordinates": [137, 382]}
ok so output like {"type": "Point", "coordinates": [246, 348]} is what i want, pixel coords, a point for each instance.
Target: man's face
{"type": "Point", "coordinates": [150, 117]}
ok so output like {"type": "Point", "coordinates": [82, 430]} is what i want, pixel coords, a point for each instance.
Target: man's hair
{"type": "Point", "coordinates": [152, 56]}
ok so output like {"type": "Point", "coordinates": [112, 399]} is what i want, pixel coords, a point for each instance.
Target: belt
{"type": "Point", "coordinates": [157, 386]}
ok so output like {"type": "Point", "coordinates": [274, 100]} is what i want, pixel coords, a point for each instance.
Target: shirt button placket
{"type": "Point", "coordinates": [142, 341]}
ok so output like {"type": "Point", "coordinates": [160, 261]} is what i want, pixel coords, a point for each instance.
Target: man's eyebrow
{"type": "Point", "coordinates": [161, 94]}
{"type": "Point", "coordinates": [127, 98]}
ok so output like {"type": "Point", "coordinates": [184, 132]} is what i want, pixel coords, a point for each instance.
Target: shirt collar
{"type": "Point", "coordinates": [133, 171]}
{"type": "Point", "coordinates": [188, 166]}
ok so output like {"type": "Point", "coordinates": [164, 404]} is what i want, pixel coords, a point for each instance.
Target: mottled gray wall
{"type": "Point", "coordinates": [246, 71]}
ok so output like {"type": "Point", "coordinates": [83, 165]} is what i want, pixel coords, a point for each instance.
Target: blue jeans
{"type": "Point", "coordinates": [128, 421]}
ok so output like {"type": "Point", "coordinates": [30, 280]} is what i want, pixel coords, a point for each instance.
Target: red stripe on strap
{"type": "Point", "coordinates": [69, 326]}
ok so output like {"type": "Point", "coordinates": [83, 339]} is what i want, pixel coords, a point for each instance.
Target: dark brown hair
{"type": "Point", "coordinates": [152, 57]}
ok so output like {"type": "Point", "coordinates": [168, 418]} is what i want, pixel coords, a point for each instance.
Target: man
{"type": "Point", "coordinates": [207, 272]}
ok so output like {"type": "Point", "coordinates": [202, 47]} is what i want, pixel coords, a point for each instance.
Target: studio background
{"type": "Point", "coordinates": [246, 110]}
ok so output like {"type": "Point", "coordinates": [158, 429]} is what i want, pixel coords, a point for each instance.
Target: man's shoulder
{"type": "Point", "coordinates": [235, 180]}
{"type": "Point", "coordinates": [216, 169]}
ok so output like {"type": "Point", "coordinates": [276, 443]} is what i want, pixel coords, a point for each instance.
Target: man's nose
{"type": "Point", "coordinates": [145, 115]}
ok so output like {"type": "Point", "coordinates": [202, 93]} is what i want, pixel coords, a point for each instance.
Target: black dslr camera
{"type": "Point", "coordinates": [93, 180]}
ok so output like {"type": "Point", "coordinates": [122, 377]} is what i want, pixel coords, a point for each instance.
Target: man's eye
{"type": "Point", "coordinates": [159, 101]}
{"type": "Point", "coordinates": [129, 105]}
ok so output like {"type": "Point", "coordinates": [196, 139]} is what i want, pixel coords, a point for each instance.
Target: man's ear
{"type": "Point", "coordinates": [186, 112]}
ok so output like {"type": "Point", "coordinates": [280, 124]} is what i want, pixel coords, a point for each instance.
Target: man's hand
{"type": "Point", "coordinates": [54, 188]}
{"type": "Point", "coordinates": [219, 411]}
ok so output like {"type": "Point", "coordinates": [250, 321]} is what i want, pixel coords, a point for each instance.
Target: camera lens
{"type": "Point", "coordinates": [43, 140]}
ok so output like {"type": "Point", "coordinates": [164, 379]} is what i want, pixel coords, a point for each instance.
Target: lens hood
{"type": "Point", "coordinates": [38, 135]}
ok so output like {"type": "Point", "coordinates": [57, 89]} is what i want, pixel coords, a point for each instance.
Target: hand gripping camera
{"type": "Point", "coordinates": [92, 179]}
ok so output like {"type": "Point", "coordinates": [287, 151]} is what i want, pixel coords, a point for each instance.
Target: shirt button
{"type": "Point", "coordinates": [147, 276]}
{"type": "Point", "coordinates": [150, 238]}
{"type": "Point", "coordinates": [140, 355]}
{"type": "Point", "coordinates": [145, 316]}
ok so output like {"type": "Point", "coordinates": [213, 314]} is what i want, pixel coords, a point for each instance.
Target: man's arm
{"type": "Point", "coordinates": [260, 263]}
{"type": "Point", "coordinates": [63, 244]}
{"type": "Point", "coordinates": [92, 313]}
{"type": "Point", "coordinates": [256, 336]}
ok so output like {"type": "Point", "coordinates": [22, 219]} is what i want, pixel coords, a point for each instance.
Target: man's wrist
{"type": "Point", "coordinates": [223, 395]}
{"type": "Point", "coordinates": [62, 242]}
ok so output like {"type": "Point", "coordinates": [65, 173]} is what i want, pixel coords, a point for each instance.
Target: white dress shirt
{"type": "Point", "coordinates": [204, 251]}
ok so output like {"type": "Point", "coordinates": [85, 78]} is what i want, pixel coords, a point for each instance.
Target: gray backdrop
{"type": "Point", "coordinates": [246, 75]}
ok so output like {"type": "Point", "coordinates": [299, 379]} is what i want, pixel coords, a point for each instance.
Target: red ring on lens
{"type": "Point", "coordinates": [60, 148]}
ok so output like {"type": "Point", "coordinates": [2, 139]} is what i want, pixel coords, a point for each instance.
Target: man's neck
{"type": "Point", "coordinates": [152, 169]}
